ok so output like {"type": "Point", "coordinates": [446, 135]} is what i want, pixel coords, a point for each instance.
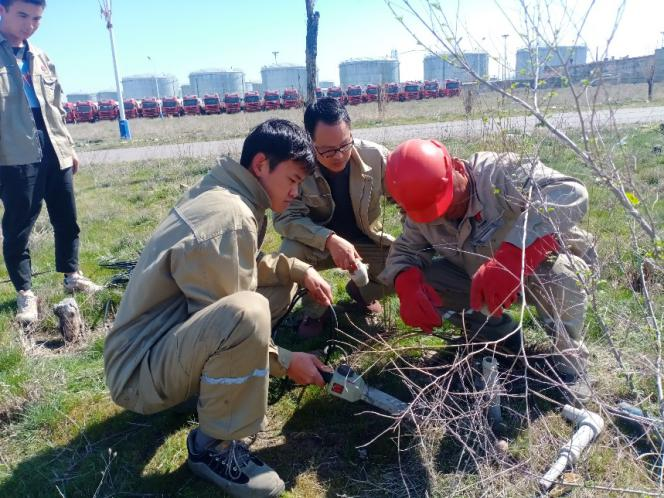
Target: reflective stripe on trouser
{"type": "Point", "coordinates": [220, 354]}
{"type": "Point", "coordinates": [555, 292]}
{"type": "Point", "coordinates": [371, 254]}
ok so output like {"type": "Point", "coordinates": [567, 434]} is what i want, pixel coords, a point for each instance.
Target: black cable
{"type": "Point", "coordinates": [298, 295]}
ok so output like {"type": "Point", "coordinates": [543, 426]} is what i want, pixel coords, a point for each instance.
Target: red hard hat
{"type": "Point", "coordinates": [419, 178]}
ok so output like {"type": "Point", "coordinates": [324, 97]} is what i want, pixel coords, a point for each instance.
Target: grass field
{"type": "Point", "coordinates": [61, 435]}
{"type": "Point", "coordinates": [104, 135]}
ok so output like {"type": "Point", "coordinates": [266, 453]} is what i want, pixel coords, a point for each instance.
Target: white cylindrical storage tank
{"type": "Point", "coordinates": [253, 86]}
{"type": "Point", "coordinates": [281, 76]}
{"type": "Point", "coordinates": [150, 85]}
{"type": "Point", "coordinates": [107, 95]}
{"type": "Point", "coordinates": [81, 97]}
{"type": "Point", "coordinates": [548, 58]}
{"type": "Point", "coordinates": [443, 67]}
{"type": "Point", "coordinates": [365, 71]}
{"type": "Point", "coordinates": [221, 81]}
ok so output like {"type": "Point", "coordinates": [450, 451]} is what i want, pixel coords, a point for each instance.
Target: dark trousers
{"type": "Point", "coordinates": [23, 188]}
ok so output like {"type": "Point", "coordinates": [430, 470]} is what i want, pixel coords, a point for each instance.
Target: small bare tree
{"type": "Point", "coordinates": [447, 402]}
{"type": "Point", "coordinates": [649, 71]}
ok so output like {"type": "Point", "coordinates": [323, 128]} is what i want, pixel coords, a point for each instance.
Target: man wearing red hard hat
{"type": "Point", "coordinates": [478, 232]}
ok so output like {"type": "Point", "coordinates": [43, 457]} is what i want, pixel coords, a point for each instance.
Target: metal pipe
{"type": "Point", "coordinates": [589, 425]}
{"type": "Point", "coordinates": [125, 132]}
{"type": "Point", "coordinates": [490, 376]}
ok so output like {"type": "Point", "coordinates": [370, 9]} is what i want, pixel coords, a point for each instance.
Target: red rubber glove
{"type": "Point", "coordinates": [417, 300]}
{"type": "Point", "coordinates": [497, 282]}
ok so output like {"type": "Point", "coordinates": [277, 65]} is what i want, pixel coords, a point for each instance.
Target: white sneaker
{"type": "Point", "coordinates": [76, 282]}
{"type": "Point", "coordinates": [27, 312]}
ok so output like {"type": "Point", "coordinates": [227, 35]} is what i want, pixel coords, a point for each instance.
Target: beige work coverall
{"type": "Point", "coordinates": [195, 318]}
{"type": "Point", "coordinates": [303, 224]}
{"type": "Point", "coordinates": [517, 200]}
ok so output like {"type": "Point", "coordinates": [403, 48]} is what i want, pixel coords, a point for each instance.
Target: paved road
{"type": "Point", "coordinates": [388, 134]}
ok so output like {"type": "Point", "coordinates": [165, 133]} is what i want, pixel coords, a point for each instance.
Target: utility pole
{"type": "Point", "coordinates": [156, 87]}
{"type": "Point", "coordinates": [125, 132]}
{"type": "Point", "coordinates": [275, 55]}
{"type": "Point", "coordinates": [505, 72]}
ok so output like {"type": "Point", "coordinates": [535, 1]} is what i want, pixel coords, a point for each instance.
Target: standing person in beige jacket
{"type": "Point", "coordinates": [196, 317]}
{"type": "Point", "coordinates": [336, 220]}
{"type": "Point", "coordinates": [37, 158]}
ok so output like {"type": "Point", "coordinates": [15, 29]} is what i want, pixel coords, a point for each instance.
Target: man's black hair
{"type": "Point", "coordinates": [328, 110]}
{"type": "Point", "coordinates": [8, 3]}
{"type": "Point", "coordinates": [280, 140]}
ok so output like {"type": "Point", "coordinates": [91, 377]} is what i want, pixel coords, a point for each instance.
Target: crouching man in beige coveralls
{"type": "Point", "coordinates": [196, 317]}
{"type": "Point", "coordinates": [478, 231]}
{"type": "Point", "coordinates": [336, 221]}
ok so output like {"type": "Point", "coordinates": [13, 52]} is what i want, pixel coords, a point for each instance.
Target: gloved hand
{"type": "Point", "coordinates": [497, 282]}
{"type": "Point", "coordinates": [417, 300]}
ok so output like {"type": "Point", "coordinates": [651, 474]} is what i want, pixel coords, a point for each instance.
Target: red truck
{"type": "Point", "coordinates": [131, 108]}
{"type": "Point", "coordinates": [232, 102]}
{"type": "Point", "coordinates": [354, 93]}
{"type": "Point", "coordinates": [337, 93]}
{"type": "Point", "coordinates": [70, 112]}
{"type": "Point", "coordinates": [213, 104]}
{"type": "Point", "coordinates": [412, 90]}
{"type": "Point", "coordinates": [371, 93]}
{"type": "Point", "coordinates": [291, 99]}
{"type": "Point", "coordinates": [172, 106]}
{"type": "Point", "coordinates": [392, 92]}
{"type": "Point", "coordinates": [192, 105]}
{"type": "Point", "coordinates": [431, 89]}
{"type": "Point", "coordinates": [452, 89]}
{"type": "Point", "coordinates": [271, 100]}
{"type": "Point", "coordinates": [108, 110]}
{"type": "Point", "coordinates": [87, 110]}
{"type": "Point", "coordinates": [151, 108]}
{"type": "Point", "coordinates": [252, 102]}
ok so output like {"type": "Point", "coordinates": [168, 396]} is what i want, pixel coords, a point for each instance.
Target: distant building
{"type": "Point", "coordinates": [615, 71]}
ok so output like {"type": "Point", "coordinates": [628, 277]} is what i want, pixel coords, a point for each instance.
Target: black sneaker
{"type": "Point", "coordinates": [234, 469]}
{"type": "Point", "coordinates": [576, 389]}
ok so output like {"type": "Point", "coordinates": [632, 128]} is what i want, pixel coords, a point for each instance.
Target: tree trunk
{"type": "Point", "coordinates": [651, 81]}
{"type": "Point", "coordinates": [311, 50]}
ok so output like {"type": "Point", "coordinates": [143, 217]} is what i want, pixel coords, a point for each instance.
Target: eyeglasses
{"type": "Point", "coordinates": [330, 153]}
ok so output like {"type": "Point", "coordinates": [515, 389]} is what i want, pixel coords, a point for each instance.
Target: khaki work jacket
{"type": "Point", "coordinates": [513, 199]}
{"type": "Point", "coordinates": [19, 142]}
{"type": "Point", "coordinates": [305, 218]}
{"type": "Point", "coordinates": [207, 248]}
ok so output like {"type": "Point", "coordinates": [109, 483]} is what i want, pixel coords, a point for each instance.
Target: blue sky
{"type": "Point", "coordinates": [184, 36]}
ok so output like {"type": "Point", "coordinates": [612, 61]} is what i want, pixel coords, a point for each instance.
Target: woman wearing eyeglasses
{"type": "Point", "coordinates": [336, 220]}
